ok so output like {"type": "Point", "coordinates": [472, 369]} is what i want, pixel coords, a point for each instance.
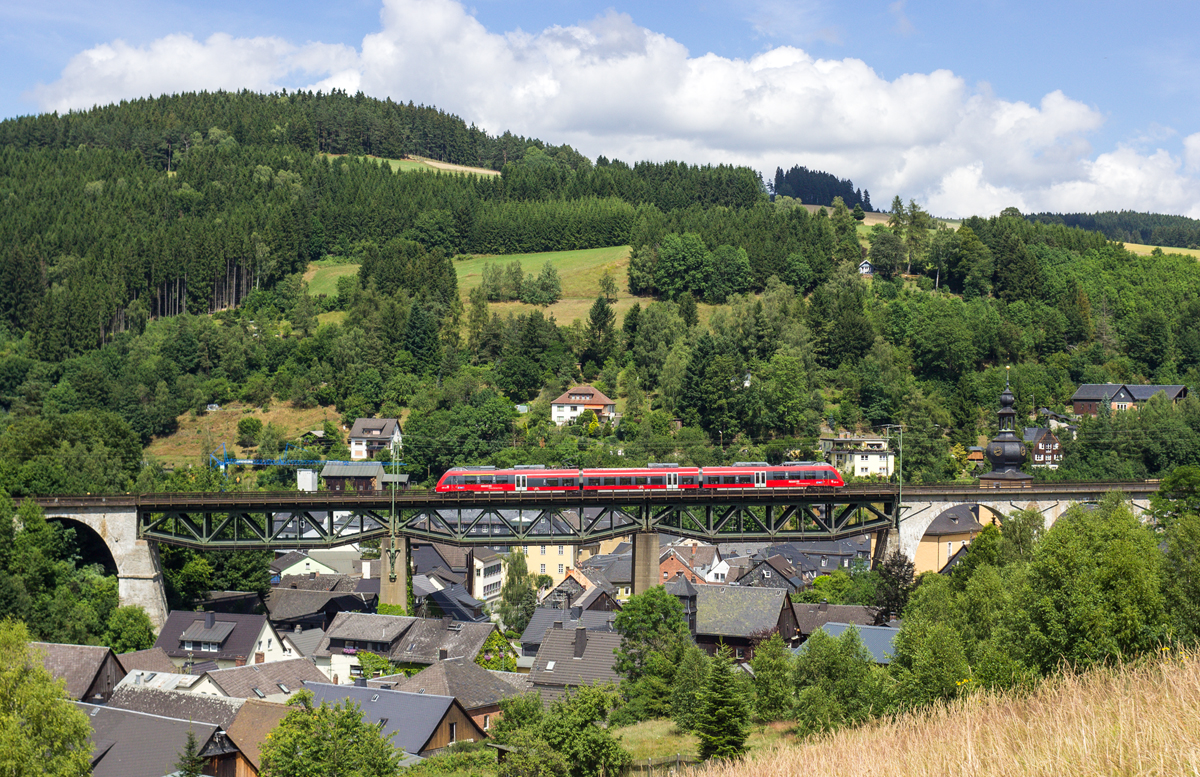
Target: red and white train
{"type": "Point", "coordinates": [653, 477]}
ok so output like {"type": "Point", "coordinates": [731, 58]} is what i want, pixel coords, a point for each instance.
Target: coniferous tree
{"type": "Point", "coordinates": [721, 723]}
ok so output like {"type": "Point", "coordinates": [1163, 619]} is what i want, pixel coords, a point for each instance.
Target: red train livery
{"type": "Point", "coordinates": [669, 477]}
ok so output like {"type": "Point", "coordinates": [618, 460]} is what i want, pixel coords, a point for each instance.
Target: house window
{"type": "Point", "coordinates": [187, 645]}
{"type": "Point", "coordinates": [356, 670]}
{"type": "Point", "coordinates": [453, 732]}
{"type": "Point", "coordinates": [560, 569]}
{"type": "Point", "coordinates": [740, 653]}
{"type": "Point", "coordinates": [525, 550]}
{"type": "Point", "coordinates": [543, 569]}
{"type": "Point", "coordinates": [627, 590]}
{"type": "Point", "coordinates": [766, 573]}
{"type": "Point", "coordinates": [487, 722]}
{"type": "Point", "coordinates": [543, 550]}
{"type": "Point", "coordinates": [949, 549]}
{"type": "Point", "coordinates": [560, 550]}
{"type": "Point", "coordinates": [664, 575]}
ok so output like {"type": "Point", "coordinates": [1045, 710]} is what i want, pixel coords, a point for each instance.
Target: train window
{"type": "Point", "coordinates": [552, 482]}
{"type": "Point", "coordinates": [593, 481]}
{"type": "Point", "coordinates": [568, 482]}
{"type": "Point", "coordinates": [485, 480]}
{"type": "Point", "coordinates": [472, 480]}
{"type": "Point", "coordinates": [626, 481]}
{"type": "Point", "coordinates": [656, 481]}
{"type": "Point", "coordinates": [534, 482]}
{"type": "Point", "coordinates": [687, 480]}
{"type": "Point", "coordinates": [610, 481]}
{"type": "Point", "coordinates": [730, 480]}
{"type": "Point", "coordinates": [746, 479]}
{"type": "Point", "coordinates": [641, 481]}
{"type": "Point", "coordinates": [713, 480]}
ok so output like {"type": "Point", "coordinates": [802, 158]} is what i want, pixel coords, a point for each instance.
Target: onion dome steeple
{"type": "Point", "coordinates": [1006, 451]}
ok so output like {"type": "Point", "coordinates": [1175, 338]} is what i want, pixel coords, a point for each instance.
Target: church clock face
{"type": "Point", "coordinates": [997, 451]}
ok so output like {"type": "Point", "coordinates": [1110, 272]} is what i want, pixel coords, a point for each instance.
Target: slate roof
{"type": "Point", "coordinates": [153, 659]}
{"type": "Point", "coordinates": [679, 586]}
{"type": "Point", "coordinates": [289, 604]}
{"type": "Point", "coordinates": [446, 576]}
{"type": "Point", "coordinates": [593, 396]}
{"type": "Point", "coordinates": [76, 664]}
{"type": "Point", "coordinates": [421, 643]}
{"type": "Point", "coordinates": [458, 604]}
{"type": "Point", "coordinates": [465, 680]}
{"type": "Point", "coordinates": [737, 611]}
{"type": "Point", "coordinates": [241, 637]}
{"type": "Point", "coordinates": [954, 560]}
{"type": "Point", "coordinates": [373, 428]}
{"type": "Point", "coordinates": [273, 679]}
{"type": "Point", "coordinates": [306, 641]}
{"type": "Point", "coordinates": [544, 617]}
{"type": "Point", "coordinates": [877, 639]}
{"type": "Point", "coordinates": [517, 680]}
{"type": "Point", "coordinates": [1143, 393]}
{"type": "Point", "coordinates": [134, 744]}
{"type": "Point", "coordinates": [810, 617]}
{"type": "Point", "coordinates": [617, 570]}
{"type": "Point", "coordinates": [366, 469]}
{"type": "Point", "coordinates": [738, 566]}
{"type": "Point", "coordinates": [426, 557]}
{"type": "Point", "coordinates": [183, 705]}
{"type": "Point", "coordinates": [956, 520]}
{"type": "Point", "coordinates": [339, 583]}
{"type": "Point", "coordinates": [782, 566]}
{"type": "Point", "coordinates": [556, 667]}
{"type": "Point", "coordinates": [286, 560]}
{"type": "Point", "coordinates": [1095, 392]}
{"type": "Point", "coordinates": [366, 627]}
{"type": "Point", "coordinates": [453, 555]}
{"type": "Point", "coordinates": [589, 596]}
{"type": "Point", "coordinates": [249, 729]}
{"type": "Point", "coordinates": [408, 719]}
{"type": "Point", "coordinates": [421, 586]}
{"type": "Point", "coordinates": [1034, 433]}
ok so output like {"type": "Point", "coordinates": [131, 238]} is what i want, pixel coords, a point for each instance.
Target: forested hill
{"type": "Point", "coordinates": [1127, 226]}
{"type": "Point", "coordinates": [189, 203]}
{"type": "Point", "coordinates": [814, 187]}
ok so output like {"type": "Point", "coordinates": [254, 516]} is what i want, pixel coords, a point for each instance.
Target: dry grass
{"type": "Point", "coordinates": [1144, 250]}
{"type": "Point", "coordinates": [1132, 721]}
{"type": "Point", "coordinates": [184, 446]}
{"type": "Point", "coordinates": [661, 739]}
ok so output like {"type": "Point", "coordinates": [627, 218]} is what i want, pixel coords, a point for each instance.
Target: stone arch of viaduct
{"type": "Point", "coordinates": [916, 516]}
{"type": "Point", "coordinates": [139, 574]}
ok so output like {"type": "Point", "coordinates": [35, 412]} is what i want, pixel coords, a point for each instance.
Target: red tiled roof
{"type": "Point", "coordinates": [594, 397]}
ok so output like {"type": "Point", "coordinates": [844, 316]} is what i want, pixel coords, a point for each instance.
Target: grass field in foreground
{"type": "Point", "coordinates": [1123, 721]}
{"type": "Point", "coordinates": [661, 739]}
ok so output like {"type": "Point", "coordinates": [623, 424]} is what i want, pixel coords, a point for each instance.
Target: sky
{"type": "Point", "coordinates": [966, 107]}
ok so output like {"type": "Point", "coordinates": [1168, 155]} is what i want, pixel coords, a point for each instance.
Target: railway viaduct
{"type": "Point", "coordinates": [131, 526]}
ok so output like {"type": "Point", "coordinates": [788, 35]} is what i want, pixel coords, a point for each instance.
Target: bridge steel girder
{"type": "Point", "coordinates": [750, 517]}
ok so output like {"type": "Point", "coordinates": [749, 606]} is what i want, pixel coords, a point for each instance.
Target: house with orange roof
{"type": "Point", "coordinates": [575, 401]}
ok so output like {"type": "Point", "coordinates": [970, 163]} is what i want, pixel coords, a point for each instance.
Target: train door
{"type": "Point", "coordinates": [760, 479]}
{"type": "Point", "coordinates": [522, 482]}
{"type": "Point", "coordinates": [672, 480]}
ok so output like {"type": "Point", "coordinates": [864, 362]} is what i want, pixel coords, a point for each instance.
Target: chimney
{"type": "Point", "coordinates": [296, 629]}
{"type": "Point", "coordinates": [824, 605]}
{"type": "Point", "coordinates": [312, 575]}
{"type": "Point", "coordinates": [360, 682]}
{"type": "Point", "coordinates": [366, 570]}
{"type": "Point", "coordinates": [137, 678]}
{"type": "Point", "coordinates": [446, 621]}
{"type": "Point", "coordinates": [557, 625]}
{"type": "Point", "coordinates": [239, 661]}
{"type": "Point", "coordinates": [210, 620]}
{"type": "Point", "coordinates": [443, 654]}
{"type": "Point", "coordinates": [260, 658]}
{"type": "Point", "coordinates": [580, 641]}
{"type": "Point", "coordinates": [576, 613]}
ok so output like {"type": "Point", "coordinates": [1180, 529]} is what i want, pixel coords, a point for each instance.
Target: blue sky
{"type": "Point", "coordinates": [966, 107]}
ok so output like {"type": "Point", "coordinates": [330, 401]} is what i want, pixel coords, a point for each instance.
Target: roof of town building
{"type": "Point", "coordinates": [956, 520]}
{"type": "Point", "coordinates": [236, 634]}
{"type": "Point", "coordinates": [184, 705]}
{"type": "Point", "coordinates": [77, 665]}
{"type": "Point", "coordinates": [277, 679]}
{"type": "Point", "coordinates": [737, 611]}
{"type": "Point", "coordinates": [373, 428]}
{"type": "Point", "coordinates": [463, 679]}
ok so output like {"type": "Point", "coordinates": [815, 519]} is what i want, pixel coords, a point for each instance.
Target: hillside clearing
{"type": "Point", "coordinates": [322, 277]}
{"type": "Point", "coordinates": [423, 165]}
{"type": "Point", "coordinates": [1126, 721]}
{"type": "Point", "coordinates": [1145, 250]}
{"type": "Point", "coordinates": [184, 446]}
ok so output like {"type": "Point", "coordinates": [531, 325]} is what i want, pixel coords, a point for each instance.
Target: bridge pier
{"type": "Point", "coordinates": [393, 573]}
{"type": "Point", "coordinates": [645, 561]}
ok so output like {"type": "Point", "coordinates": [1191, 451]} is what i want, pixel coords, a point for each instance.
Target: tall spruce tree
{"type": "Point", "coordinates": [721, 724]}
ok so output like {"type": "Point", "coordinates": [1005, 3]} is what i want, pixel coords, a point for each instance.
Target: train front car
{"type": "Point", "coordinates": [760, 474]}
{"type": "Point", "coordinates": [652, 477]}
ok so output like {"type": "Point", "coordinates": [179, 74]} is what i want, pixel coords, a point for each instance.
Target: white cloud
{"type": "Point", "coordinates": [610, 86]}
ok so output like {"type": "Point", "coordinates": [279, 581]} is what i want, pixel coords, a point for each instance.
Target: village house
{"type": "Point", "coordinates": [225, 639]}
{"type": "Point", "coordinates": [878, 640]}
{"type": "Point", "coordinates": [421, 724]}
{"type": "Point", "coordinates": [546, 618]}
{"type": "Point", "coordinates": [138, 744]}
{"type": "Point", "coordinates": [672, 564]}
{"type": "Point", "coordinates": [90, 672]}
{"type": "Point", "coordinates": [573, 658]}
{"type": "Point", "coordinates": [575, 401]}
{"type": "Point", "coordinates": [1044, 448]}
{"type": "Point", "coordinates": [369, 436]}
{"type": "Point", "coordinates": [478, 690]}
{"type": "Point", "coordinates": [949, 532]}
{"type": "Point", "coordinates": [405, 641]}
{"type": "Point", "coordinates": [865, 456]}
{"type": "Point", "coordinates": [362, 478]}
{"type": "Point", "coordinates": [773, 572]}
{"type": "Point", "coordinates": [289, 608]}
{"type": "Point", "coordinates": [276, 681]}
{"type": "Point", "coordinates": [488, 575]}
{"type": "Point", "coordinates": [552, 560]}
{"type": "Point", "coordinates": [1089, 397]}
{"type": "Point", "coordinates": [810, 617]}
{"type": "Point", "coordinates": [741, 617]}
